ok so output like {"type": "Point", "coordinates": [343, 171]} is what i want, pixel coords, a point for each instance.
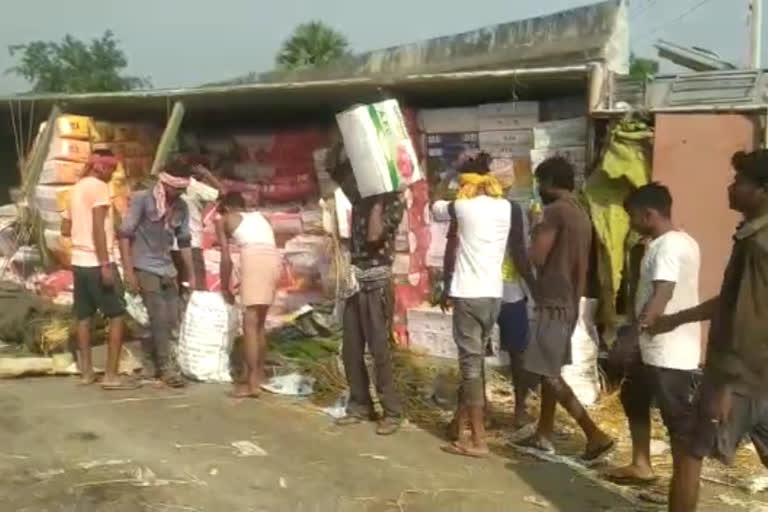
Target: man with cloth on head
{"type": "Point", "coordinates": [90, 223]}
{"type": "Point", "coordinates": [155, 218]}
{"type": "Point", "coordinates": [480, 220]}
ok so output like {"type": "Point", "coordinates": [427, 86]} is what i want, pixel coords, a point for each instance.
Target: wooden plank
{"type": "Point", "coordinates": [33, 166]}
{"type": "Point", "coordinates": [168, 138]}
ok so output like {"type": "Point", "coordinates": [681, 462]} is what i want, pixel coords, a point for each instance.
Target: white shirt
{"type": "Point", "coordinates": [197, 196]}
{"type": "Point", "coordinates": [483, 231]}
{"type": "Point", "coordinates": [673, 257]}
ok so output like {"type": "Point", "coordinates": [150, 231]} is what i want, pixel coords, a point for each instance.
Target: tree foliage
{"type": "Point", "coordinates": [72, 65]}
{"type": "Point", "coordinates": [641, 68]}
{"type": "Point", "coordinates": [312, 44]}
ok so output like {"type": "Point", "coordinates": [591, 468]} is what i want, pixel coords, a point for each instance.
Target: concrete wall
{"type": "Point", "coordinates": [597, 32]}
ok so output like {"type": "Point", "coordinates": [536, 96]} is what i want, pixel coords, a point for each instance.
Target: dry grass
{"type": "Point", "coordinates": [416, 379]}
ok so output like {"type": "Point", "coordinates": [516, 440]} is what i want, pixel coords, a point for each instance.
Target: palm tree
{"type": "Point", "coordinates": [312, 44]}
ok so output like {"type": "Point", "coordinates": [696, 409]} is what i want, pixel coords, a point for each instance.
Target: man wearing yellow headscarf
{"type": "Point", "coordinates": [480, 220]}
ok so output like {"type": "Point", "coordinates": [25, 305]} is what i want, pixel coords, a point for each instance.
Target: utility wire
{"type": "Point", "coordinates": [642, 10]}
{"type": "Point", "coordinates": [666, 24]}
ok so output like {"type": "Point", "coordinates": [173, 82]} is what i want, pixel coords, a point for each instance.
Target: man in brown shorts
{"type": "Point", "coordinates": [733, 400]}
{"type": "Point", "coordinates": [560, 250]}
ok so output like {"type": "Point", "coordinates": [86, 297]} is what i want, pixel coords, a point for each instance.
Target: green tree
{"type": "Point", "coordinates": [72, 66]}
{"type": "Point", "coordinates": [312, 44]}
{"type": "Point", "coordinates": [641, 68]}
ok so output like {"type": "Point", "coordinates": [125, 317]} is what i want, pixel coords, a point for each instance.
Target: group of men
{"type": "Point", "coordinates": [163, 224]}
{"type": "Point", "coordinates": [492, 268]}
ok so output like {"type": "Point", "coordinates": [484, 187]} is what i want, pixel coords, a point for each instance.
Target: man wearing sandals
{"type": "Point", "coordinates": [664, 366]}
{"type": "Point", "coordinates": [732, 403]}
{"type": "Point", "coordinates": [90, 224]}
{"type": "Point", "coordinates": [480, 218]}
{"type": "Point", "coordinates": [369, 300]}
{"type": "Point", "coordinates": [560, 249]}
{"type": "Point", "coordinates": [155, 217]}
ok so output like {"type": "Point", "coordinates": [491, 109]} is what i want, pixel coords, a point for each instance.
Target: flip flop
{"type": "Point", "coordinates": [464, 451]}
{"type": "Point", "coordinates": [592, 455]}
{"type": "Point", "coordinates": [536, 443]}
{"type": "Point", "coordinates": [89, 382]}
{"type": "Point", "coordinates": [630, 480]}
{"type": "Point", "coordinates": [238, 396]}
{"type": "Point", "coordinates": [653, 497]}
{"type": "Point", "coordinates": [173, 381]}
{"type": "Point", "coordinates": [120, 385]}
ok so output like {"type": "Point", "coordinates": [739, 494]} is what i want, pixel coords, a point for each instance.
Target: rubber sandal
{"type": "Point", "coordinates": [173, 381]}
{"type": "Point", "coordinates": [592, 455]}
{"type": "Point", "coordinates": [656, 498]}
{"type": "Point", "coordinates": [90, 382]}
{"type": "Point", "coordinates": [629, 480]}
{"type": "Point", "coordinates": [121, 385]}
{"type": "Point", "coordinates": [536, 443]}
{"type": "Point", "coordinates": [243, 394]}
{"type": "Point", "coordinates": [458, 449]}
{"type": "Point", "coordinates": [349, 420]}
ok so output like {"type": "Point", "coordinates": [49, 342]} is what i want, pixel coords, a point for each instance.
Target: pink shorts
{"type": "Point", "coordinates": [260, 269]}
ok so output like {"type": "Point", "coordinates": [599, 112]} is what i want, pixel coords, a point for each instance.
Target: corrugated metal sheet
{"type": "Point", "coordinates": [723, 87]}
{"type": "Point", "coordinates": [322, 97]}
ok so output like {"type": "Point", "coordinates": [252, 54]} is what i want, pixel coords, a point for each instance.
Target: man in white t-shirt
{"type": "Point", "coordinates": [666, 370]}
{"type": "Point", "coordinates": [480, 219]}
{"type": "Point", "coordinates": [204, 188]}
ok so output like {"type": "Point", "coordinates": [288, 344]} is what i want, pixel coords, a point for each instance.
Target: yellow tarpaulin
{"type": "Point", "coordinates": [625, 166]}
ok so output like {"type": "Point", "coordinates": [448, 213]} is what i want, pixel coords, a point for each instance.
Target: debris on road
{"type": "Point", "coordinates": [249, 449]}
{"type": "Point", "coordinates": [293, 384]}
{"type": "Point", "coordinates": [539, 502]}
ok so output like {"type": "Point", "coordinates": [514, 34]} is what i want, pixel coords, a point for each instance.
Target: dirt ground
{"type": "Point", "coordinates": [72, 449]}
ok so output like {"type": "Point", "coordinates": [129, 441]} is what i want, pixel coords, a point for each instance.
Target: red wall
{"type": "Point", "coordinates": [692, 154]}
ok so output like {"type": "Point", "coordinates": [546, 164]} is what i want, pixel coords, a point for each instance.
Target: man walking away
{"type": "Point", "coordinates": [367, 318]}
{"type": "Point", "coordinates": [482, 219]}
{"type": "Point", "coordinates": [157, 216]}
{"type": "Point", "coordinates": [560, 252]}
{"type": "Point", "coordinates": [513, 318]}
{"type": "Point", "coordinates": [666, 371]}
{"type": "Point", "coordinates": [90, 224]}
{"type": "Point", "coordinates": [733, 399]}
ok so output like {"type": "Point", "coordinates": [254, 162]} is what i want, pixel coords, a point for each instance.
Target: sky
{"type": "Point", "coordinates": [186, 43]}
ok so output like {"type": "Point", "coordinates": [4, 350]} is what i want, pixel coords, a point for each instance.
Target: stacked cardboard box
{"type": "Point", "coordinates": [74, 138]}
{"type": "Point", "coordinates": [412, 280]}
{"type": "Point", "coordinates": [503, 130]}
{"type": "Point", "coordinates": [431, 332]}
{"type": "Point", "coordinates": [566, 138]}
